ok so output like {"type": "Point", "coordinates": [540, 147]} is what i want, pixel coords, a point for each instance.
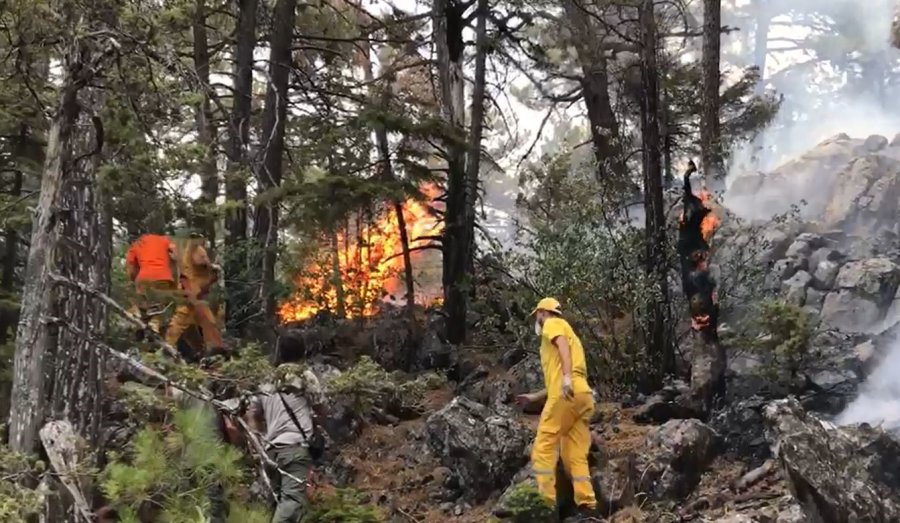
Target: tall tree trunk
{"type": "Point", "coordinates": [659, 345]}
{"type": "Point", "coordinates": [710, 129]}
{"type": "Point", "coordinates": [269, 162]}
{"type": "Point", "coordinates": [336, 278]}
{"type": "Point", "coordinates": [448, 29]}
{"type": "Point", "coordinates": [206, 132]}
{"type": "Point", "coordinates": [761, 41]}
{"type": "Point", "coordinates": [476, 131]}
{"type": "Point", "coordinates": [587, 41]}
{"type": "Point", "coordinates": [235, 254]}
{"type": "Point", "coordinates": [84, 256]}
{"type": "Point", "coordinates": [35, 339]}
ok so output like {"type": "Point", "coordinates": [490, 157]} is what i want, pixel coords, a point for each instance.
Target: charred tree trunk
{"type": "Point", "coordinates": [36, 337]}
{"type": "Point", "coordinates": [235, 254]}
{"type": "Point", "coordinates": [710, 130]}
{"type": "Point", "coordinates": [205, 210]}
{"type": "Point", "coordinates": [595, 92]}
{"type": "Point", "coordinates": [708, 359]}
{"type": "Point", "coordinates": [659, 345]}
{"type": "Point", "coordinates": [448, 34]}
{"type": "Point", "coordinates": [269, 161]}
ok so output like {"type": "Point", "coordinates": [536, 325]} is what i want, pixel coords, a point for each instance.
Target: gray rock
{"type": "Point", "coordinates": [483, 449]}
{"type": "Point", "coordinates": [822, 254]}
{"type": "Point", "coordinates": [794, 289]}
{"type": "Point", "coordinates": [674, 457]}
{"type": "Point", "coordinates": [787, 267]}
{"type": "Point", "coordinates": [865, 196]}
{"type": "Point", "coordinates": [735, 518]}
{"type": "Point", "coordinates": [896, 141]}
{"type": "Point", "coordinates": [825, 274]}
{"type": "Point", "coordinates": [849, 312]}
{"type": "Point", "coordinates": [877, 277]}
{"type": "Point", "coordinates": [815, 298]}
{"type": "Point", "coordinates": [875, 143]}
{"type": "Point", "coordinates": [799, 249]}
{"type": "Point", "coordinates": [837, 474]}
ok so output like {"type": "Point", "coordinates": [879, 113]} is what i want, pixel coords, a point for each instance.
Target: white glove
{"type": "Point", "coordinates": [567, 390]}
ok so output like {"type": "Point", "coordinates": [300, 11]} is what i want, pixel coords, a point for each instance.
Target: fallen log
{"type": "Point", "coordinates": [750, 478]}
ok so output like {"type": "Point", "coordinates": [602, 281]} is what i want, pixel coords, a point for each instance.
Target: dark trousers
{"type": "Point", "coordinates": [292, 502]}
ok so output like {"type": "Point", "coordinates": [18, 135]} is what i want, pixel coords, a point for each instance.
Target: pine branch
{"type": "Point", "coordinates": [122, 311]}
{"type": "Point", "coordinates": [202, 395]}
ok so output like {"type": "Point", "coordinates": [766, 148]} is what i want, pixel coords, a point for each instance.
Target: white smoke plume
{"type": "Point", "coordinates": [879, 400]}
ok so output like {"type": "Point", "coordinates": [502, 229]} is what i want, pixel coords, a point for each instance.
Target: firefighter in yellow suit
{"type": "Point", "coordinates": [564, 429]}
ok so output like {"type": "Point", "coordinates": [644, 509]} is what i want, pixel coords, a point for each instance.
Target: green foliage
{"type": "Point", "coordinates": [342, 506]}
{"type": "Point", "coordinates": [144, 403]}
{"type": "Point", "coordinates": [526, 505]}
{"type": "Point", "coordinates": [367, 386]}
{"type": "Point", "coordinates": [173, 469]}
{"type": "Point", "coordinates": [18, 502]}
{"type": "Point", "coordinates": [246, 371]}
{"type": "Point", "coordinates": [786, 334]}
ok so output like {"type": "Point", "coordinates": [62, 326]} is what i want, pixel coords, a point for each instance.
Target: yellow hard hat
{"type": "Point", "coordinates": [548, 304]}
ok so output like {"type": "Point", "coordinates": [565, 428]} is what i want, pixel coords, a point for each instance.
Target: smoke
{"type": "Point", "coordinates": [879, 400]}
{"type": "Point", "coordinates": [834, 79]}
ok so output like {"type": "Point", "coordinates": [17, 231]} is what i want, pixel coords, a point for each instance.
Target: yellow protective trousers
{"type": "Point", "coordinates": [564, 432]}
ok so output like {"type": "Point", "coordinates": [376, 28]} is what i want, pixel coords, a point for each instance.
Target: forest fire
{"type": "Point", "coordinates": [368, 257]}
{"type": "Point", "coordinates": [710, 222]}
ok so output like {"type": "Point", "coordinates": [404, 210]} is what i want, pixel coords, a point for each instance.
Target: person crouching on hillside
{"type": "Point", "coordinates": [564, 428]}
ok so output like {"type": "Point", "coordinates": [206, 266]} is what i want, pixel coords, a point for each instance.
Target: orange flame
{"type": "Point", "coordinates": [710, 222]}
{"type": "Point", "coordinates": [370, 264]}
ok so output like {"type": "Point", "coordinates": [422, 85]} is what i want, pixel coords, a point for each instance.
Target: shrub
{"type": "Point", "coordinates": [18, 502]}
{"type": "Point", "coordinates": [780, 334]}
{"type": "Point", "coordinates": [367, 386]}
{"type": "Point", "coordinates": [342, 506]}
{"type": "Point", "coordinates": [526, 505]}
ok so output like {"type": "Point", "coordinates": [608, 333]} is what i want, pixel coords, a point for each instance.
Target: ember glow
{"type": "Point", "coordinates": [370, 259]}
{"type": "Point", "coordinates": [710, 222]}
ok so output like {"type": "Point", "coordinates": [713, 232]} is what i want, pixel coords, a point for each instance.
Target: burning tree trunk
{"type": "Point", "coordinates": [659, 343]}
{"type": "Point", "coordinates": [206, 132]}
{"type": "Point", "coordinates": [269, 162]}
{"type": "Point", "coordinates": [384, 156]}
{"type": "Point", "coordinates": [67, 168]}
{"type": "Point", "coordinates": [708, 362]}
{"type": "Point", "coordinates": [235, 178]}
{"type": "Point", "coordinates": [710, 133]}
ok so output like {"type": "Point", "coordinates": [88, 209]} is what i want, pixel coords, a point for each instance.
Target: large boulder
{"type": "Point", "coordinates": [876, 278]}
{"type": "Point", "coordinates": [673, 458]}
{"type": "Point", "coordinates": [794, 289]}
{"type": "Point", "coordinates": [484, 450]}
{"type": "Point", "coordinates": [848, 311]}
{"type": "Point", "coordinates": [837, 474]}
{"type": "Point", "coordinates": [866, 194]}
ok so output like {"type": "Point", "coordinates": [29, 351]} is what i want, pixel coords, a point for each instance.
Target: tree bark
{"type": "Point", "coordinates": [336, 278]}
{"type": "Point", "coordinates": [448, 30]}
{"type": "Point", "coordinates": [36, 339]}
{"type": "Point", "coordinates": [235, 254]}
{"type": "Point", "coordinates": [85, 256]}
{"type": "Point", "coordinates": [476, 132]}
{"type": "Point", "coordinates": [270, 158]}
{"type": "Point", "coordinates": [710, 129]}
{"type": "Point", "coordinates": [204, 210]}
{"type": "Point", "coordinates": [595, 92]}
{"type": "Point", "coordinates": [659, 344]}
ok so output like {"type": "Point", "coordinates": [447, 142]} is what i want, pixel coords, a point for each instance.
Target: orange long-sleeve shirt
{"type": "Point", "coordinates": [150, 254]}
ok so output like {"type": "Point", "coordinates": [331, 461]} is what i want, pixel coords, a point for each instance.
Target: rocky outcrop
{"type": "Point", "coordinates": [673, 458]}
{"type": "Point", "coordinates": [482, 449]}
{"type": "Point", "coordinates": [837, 474]}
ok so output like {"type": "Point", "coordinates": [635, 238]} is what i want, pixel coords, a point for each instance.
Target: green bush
{"type": "Point", "coordinates": [342, 506]}
{"type": "Point", "coordinates": [172, 470]}
{"type": "Point", "coordinates": [18, 502]}
{"type": "Point", "coordinates": [526, 505]}
{"type": "Point", "coordinates": [782, 336]}
{"type": "Point", "coordinates": [368, 385]}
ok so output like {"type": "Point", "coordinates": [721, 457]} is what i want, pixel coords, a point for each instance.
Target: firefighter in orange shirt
{"type": "Point", "coordinates": [149, 265]}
